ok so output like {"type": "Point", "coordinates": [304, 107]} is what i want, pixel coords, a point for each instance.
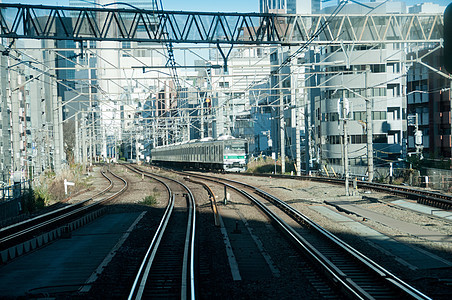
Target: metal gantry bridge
{"type": "Point", "coordinates": [110, 24]}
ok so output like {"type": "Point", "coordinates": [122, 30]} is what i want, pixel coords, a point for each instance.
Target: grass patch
{"type": "Point", "coordinates": [266, 165]}
{"type": "Point", "coordinates": [150, 200]}
{"type": "Point", "coordinates": [49, 187]}
{"type": "Point", "coordinates": [32, 201]}
{"type": "Point", "coordinates": [41, 196]}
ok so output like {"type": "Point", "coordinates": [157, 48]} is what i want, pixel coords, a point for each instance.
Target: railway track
{"type": "Point", "coordinates": [21, 238]}
{"type": "Point", "coordinates": [431, 198]}
{"type": "Point", "coordinates": [167, 270]}
{"type": "Point", "coordinates": [348, 270]}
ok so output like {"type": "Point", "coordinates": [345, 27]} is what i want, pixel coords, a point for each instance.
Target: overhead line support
{"type": "Point", "coordinates": [112, 24]}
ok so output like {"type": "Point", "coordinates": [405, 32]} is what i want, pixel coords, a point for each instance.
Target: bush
{"type": "Point", "coordinates": [267, 166]}
{"type": "Point", "coordinates": [149, 200]}
{"type": "Point", "coordinates": [50, 187]}
{"type": "Point", "coordinates": [41, 196]}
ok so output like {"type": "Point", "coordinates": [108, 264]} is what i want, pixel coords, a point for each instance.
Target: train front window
{"type": "Point", "coordinates": [234, 149]}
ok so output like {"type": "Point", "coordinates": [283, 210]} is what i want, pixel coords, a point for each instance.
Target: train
{"type": "Point", "coordinates": [225, 153]}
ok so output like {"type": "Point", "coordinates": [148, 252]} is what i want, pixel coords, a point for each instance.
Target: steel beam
{"type": "Point", "coordinates": [108, 24]}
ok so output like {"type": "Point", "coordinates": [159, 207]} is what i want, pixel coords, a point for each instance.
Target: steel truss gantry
{"type": "Point", "coordinates": [110, 24]}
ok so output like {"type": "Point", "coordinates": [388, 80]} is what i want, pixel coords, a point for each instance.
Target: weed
{"type": "Point", "coordinates": [268, 165]}
{"type": "Point", "coordinates": [149, 200]}
{"type": "Point", "coordinates": [50, 187]}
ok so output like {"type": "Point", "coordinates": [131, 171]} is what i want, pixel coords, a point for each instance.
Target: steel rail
{"type": "Point", "coordinates": [362, 258]}
{"type": "Point", "coordinates": [59, 218]}
{"type": "Point", "coordinates": [188, 272]}
{"type": "Point", "coordinates": [136, 292]}
{"type": "Point", "coordinates": [15, 228]}
{"type": "Point", "coordinates": [430, 198]}
{"type": "Point", "coordinates": [347, 284]}
{"type": "Point", "coordinates": [330, 270]}
{"type": "Point", "coordinates": [212, 198]}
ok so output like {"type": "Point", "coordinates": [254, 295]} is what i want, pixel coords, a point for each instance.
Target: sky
{"type": "Point", "coordinates": [203, 5]}
{"type": "Point", "coordinates": [178, 5]}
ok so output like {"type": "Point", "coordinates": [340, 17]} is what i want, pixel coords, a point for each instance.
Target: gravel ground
{"type": "Point", "coordinates": [214, 275]}
{"type": "Point", "coordinates": [302, 194]}
{"type": "Point", "coordinates": [215, 279]}
{"type": "Point", "coordinates": [117, 278]}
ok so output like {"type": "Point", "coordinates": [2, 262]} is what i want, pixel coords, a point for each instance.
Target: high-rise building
{"type": "Point", "coordinates": [116, 90]}
{"type": "Point", "coordinates": [285, 84]}
{"type": "Point", "coordinates": [428, 100]}
{"type": "Point", "coordinates": [272, 6]}
{"type": "Point", "coordinates": [373, 74]}
{"type": "Point", "coordinates": [289, 6]}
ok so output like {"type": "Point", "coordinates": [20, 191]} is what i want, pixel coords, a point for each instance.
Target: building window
{"type": "Point", "coordinates": [141, 53]}
{"type": "Point", "coordinates": [126, 45]}
{"type": "Point", "coordinates": [359, 115]}
{"type": "Point", "coordinates": [331, 117]}
{"type": "Point", "coordinates": [334, 139]}
{"type": "Point", "coordinates": [379, 139]}
{"type": "Point", "coordinates": [274, 56]}
{"type": "Point", "coordinates": [393, 90]}
{"type": "Point", "coordinates": [393, 113]}
{"type": "Point", "coordinates": [393, 67]}
{"type": "Point", "coordinates": [378, 115]}
{"type": "Point", "coordinates": [380, 68]}
{"type": "Point", "coordinates": [358, 139]}
{"type": "Point", "coordinates": [379, 92]}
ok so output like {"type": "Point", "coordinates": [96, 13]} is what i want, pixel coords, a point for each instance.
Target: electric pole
{"type": "Point", "coordinates": [369, 130]}
{"type": "Point", "coordinates": [281, 128]}
{"type": "Point", "coordinates": [84, 133]}
{"type": "Point", "coordinates": [77, 146]}
{"type": "Point", "coordinates": [297, 140]}
{"type": "Point", "coordinates": [344, 108]}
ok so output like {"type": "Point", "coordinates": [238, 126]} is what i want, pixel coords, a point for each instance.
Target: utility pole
{"type": "Point", "coordinates": [131, 146]}
{"type": "Point", "coordinates": [91, 113]}
{"type": "Point", "coordinates": [104, 141]}
{"type": "Point", "coordinates": [281, 128]}
{"type": "Point", "coordinates": [154, 130]}
{"type": "Point", "coordinates": [344, 119]}
{"type": "Point", "coordinates": [77, 146]}
{"type": "Point", "coordinates": [309, 128]}
{"type": "Point", "coordinates": [201, 105]}
{"type": "Point", "coordinates": [165, 134]}
{"type": "Point", "coordinates": [369, 129]}
{"type": "Point", "coordinates": [57, 152]}
{"type": "Point", "coordinates": [187, 133]}
{"type": "Point", "coordinates": [297, 140]}
{"type": "Point", "coordinates": [137, 148]}
{"type": "Point", "coordinates": [104, 137]}
{"type": "Point", "coordinates": [15, 98]}
{"type": "Point", "coordinates": [5, 150]}
{"type": "Point", "coordinates": [298, 106]}
{"type": "Point", "coordinates": [60, 127]}
{"type": "Point", "coordinates": [84, 155]}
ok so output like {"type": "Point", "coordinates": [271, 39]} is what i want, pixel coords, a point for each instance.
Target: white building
{"type": "Point", "coordinates": [231, 90]}
{"type": "Point", "coordinates": [359, 74]}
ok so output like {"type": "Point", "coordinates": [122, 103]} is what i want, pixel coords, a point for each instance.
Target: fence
{"type": "Point", "coordinates": [438, 179]}
{"type": "Point", "coordinates": [11, 200]}
{"type": "Point", "coordinates": [359, 172]}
